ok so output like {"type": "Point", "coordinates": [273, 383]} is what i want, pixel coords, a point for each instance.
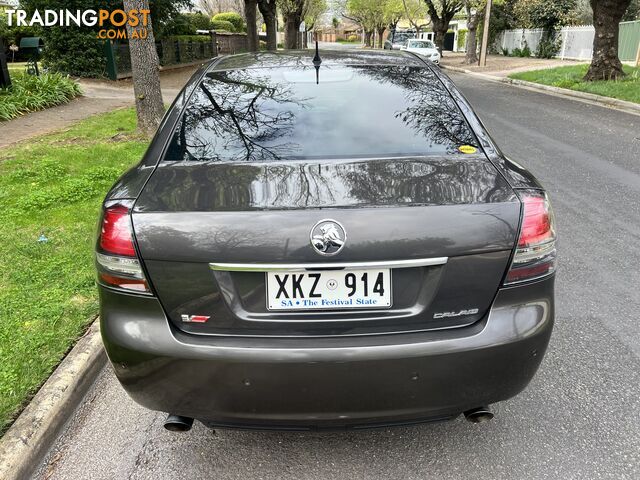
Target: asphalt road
{"type": "Point", "coordinates": [578, 419]}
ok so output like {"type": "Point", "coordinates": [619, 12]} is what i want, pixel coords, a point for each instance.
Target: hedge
{"type": "Point", "coordinates": [233, 18]}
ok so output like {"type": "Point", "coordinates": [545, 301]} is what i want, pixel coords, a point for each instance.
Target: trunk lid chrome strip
{"type": "Point", "coordinates": [295, 267]}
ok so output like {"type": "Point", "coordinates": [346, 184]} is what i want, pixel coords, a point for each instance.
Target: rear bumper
{"type": "Point", "coordinates": [327, 382]}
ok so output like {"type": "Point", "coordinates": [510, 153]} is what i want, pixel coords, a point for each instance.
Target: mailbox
{"type": "Point", "coordinates": [32, 48]}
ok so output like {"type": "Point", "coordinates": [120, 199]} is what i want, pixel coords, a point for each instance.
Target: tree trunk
{"type": "Point", "coordinates": [380, 34]}
{"type": "Point", "coordinates": [251, 17]}
{"type": "Point", "coordinates": [605, 64]}
{"type": "Point", "coordinates": [291, 32]}
{"type": "Point", "coordinates": [145, 70]}
{"type": "Point", "coordinates": [471, 54]}
{"type": "Point", "coordinates": [440, 30]}
{"type": "Point", "coordinates": [367, 38]}
{"type": "Point", "coordinates": [268, 11]}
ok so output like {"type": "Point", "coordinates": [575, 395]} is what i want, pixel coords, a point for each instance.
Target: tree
{"type": "Point", "coordinates": [313, 9]}
{"type": "Point", "coordinates": [605, 64]}
{"type": "Point", "coordinates": [441, 13]}
{"type": "Point", "coordinates": [292, 12]}
{"type": "Point", "coordinates": [415, 10]}
{"type": "Point", "coordinates": [393, 13]}
{"type": "Point", "coordinates": [268, 10]}
{"type": "Point", "coordinates": [369, 14]}
{"type": "Point", "coordinates": [145, 70]}
{"type": "Point", "coordinates": [251, 16]}
{"type": "Point", "coordinates": [212, 7]}
{"type": "Point", "coordinates": [475, 11]}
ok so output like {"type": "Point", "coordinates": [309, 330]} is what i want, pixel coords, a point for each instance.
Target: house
{"type": "Point", "coordinates": [452, 39]}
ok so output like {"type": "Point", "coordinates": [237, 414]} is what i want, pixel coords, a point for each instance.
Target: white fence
{"type": "Point", "coordinates": [577, 42]}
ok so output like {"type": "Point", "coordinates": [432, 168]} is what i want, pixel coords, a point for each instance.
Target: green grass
{"type": "Point", "coordinates": [29, 93]}
{"type": "Point", "coordinates": [53, 186]}
{"type": "Point", "coordinates": [627, 88]}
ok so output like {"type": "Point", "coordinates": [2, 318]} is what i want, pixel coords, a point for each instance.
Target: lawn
{"type": "Point", "coordinates": [51, 189]}
{"type": "Point", "coordinates": [571, 77]}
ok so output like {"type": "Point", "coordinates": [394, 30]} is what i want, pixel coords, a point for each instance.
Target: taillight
{"type": "Point", "coordinates": [535, 255]}
{"type": "Point", "coordinates": [118, 264]}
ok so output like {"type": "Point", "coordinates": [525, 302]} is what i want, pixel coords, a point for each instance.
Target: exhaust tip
{"type": "Point", "coordinates": [478, 415]}
{"type": "Point", "coordinates": [176, 423]}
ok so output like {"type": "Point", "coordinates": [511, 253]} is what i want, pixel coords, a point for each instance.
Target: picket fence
{"type": "Point", "coordinates": [576, 41]}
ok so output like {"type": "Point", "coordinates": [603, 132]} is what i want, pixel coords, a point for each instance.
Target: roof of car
{"type": "Point", "coordinates": [299, 58]}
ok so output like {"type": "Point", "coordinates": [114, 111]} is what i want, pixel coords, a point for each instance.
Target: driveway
{"type": "Point", "coordinates": [580, 417]}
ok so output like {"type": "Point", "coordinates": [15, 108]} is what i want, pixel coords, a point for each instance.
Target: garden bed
{"type": "Point", "coordinates": [29, 93]}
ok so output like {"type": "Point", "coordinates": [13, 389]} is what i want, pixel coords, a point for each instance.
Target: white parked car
{"type": "Point", "coordinates": [423, 47]}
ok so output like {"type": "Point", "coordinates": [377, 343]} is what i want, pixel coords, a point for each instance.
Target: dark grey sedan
{"type": "Point", "coordinates": [324, 243]}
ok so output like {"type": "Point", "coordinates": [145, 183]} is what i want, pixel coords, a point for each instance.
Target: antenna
{"type": "Point", "coordinates": [317, 61]}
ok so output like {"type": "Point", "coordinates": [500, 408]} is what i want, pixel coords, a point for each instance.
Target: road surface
{"type": "Point", "coordinates": [578, 419]}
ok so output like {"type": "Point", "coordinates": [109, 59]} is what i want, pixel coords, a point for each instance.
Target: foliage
{"type": "Point", "coordinates": [222, 26]}
{"type": "Point", "coordinates": [353, 38]}
{"type": "Point", "coordinates": [626, 88]}
{"type": "Point", "coordinates": [415, 11]}
{"type": "Point", "coordinates": [544, 14]}
{"type": "Point", "coordinates": [233, 18]}
{"type": "Point", "coordinates": [184, 24]}
{"type": "Point", "coordinates": [76, 50]}
{"type": "Point", "coordinates": [548, 47]}
{"type": "Point", "coordinates": [190, 38]}
{"type": "Point", "coordinates": [199, 20]}
{"type": "Point", "coordinates": [313, 9]}
{"type": "Point", "coordinates": [524, 52]}
{"type": "Point", "coordinates": [29, 93]}
{"type": "Point", "coordinates": [52, 186]}
{"type": "Point", "coordinates": [502, 18]}
{"type": "Point", "coordinates": [180, 24]}
{"type": "Point", "coordinates": [462, 39]}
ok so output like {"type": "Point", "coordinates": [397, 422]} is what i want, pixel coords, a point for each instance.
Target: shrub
{"type": "Point", "coordinates": [199, 20]}
{"type": "Point", "coordinates": [190, 38]}
{"type": "Point", "coordinates": [353, 38]}
{"type": "Point", "coordinates": [526, 51]}
{"type": "Point", "coordinates": [233, 18]}
{"type": "Point", "coordinates": [505, 52]}
{"type": "Point", "coordinates": [548, 47]}
{"type": "Point", "coordinates": [222, 26]}
{"type": "Point", "coordinates": [178, 25]}
{"type": "Point", "coordinates": [462, 39]}
{"type": "Point", "coordinates": [29, 93]}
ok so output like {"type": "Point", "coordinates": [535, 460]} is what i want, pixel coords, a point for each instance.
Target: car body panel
{"type": "Point", "coordinates": [453, 338]}
{"type": "Point", "coordinates": [332, 382]}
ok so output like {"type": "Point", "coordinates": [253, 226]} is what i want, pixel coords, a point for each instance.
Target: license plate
{"type": "Point", "coordinates": [329, 289]}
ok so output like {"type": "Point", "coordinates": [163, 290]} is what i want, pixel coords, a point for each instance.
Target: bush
{"type": "Point", "coordinates": [462, 39]}
{"type": "Point", "coordinates": [29, 93]}
{"type": "Point", "coordinates": [178, 25]}
{"type": "Point", "coordinates": [505, 52]}
{"type": "Point", "coordinates": [353, 38]}
{"type": "Point", "coordinates": [522, 52]}
{"type": "Point", "coordinates": [189, 38]}
{"type": "Point", "coordinates": [222, 26]}
{"type": "Point", "coordinates": [548, 47]}
{"type": "Point", "coordinates": [233, 18]}
{"type": "Point", "coordinates": [199, 20]}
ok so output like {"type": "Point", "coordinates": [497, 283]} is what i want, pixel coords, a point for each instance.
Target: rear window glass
{"type": "Point", "coordinates": [267, 114]}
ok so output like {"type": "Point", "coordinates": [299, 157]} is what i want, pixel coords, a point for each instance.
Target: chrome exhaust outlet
{"type": "Point", "coordinates": [478, 415]}
{"type": "Point", "coordinates": [176, 423]}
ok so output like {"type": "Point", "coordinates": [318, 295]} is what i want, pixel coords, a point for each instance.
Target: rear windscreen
{"type": "Point", "coordinates": [266, 114]}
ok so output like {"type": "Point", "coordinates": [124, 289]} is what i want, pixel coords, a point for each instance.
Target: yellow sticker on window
{"type": "Point", "coordinates": [467, 149]}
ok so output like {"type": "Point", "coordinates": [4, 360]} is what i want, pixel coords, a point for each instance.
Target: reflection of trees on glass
{"type": "Point", "coordinates": [266, 114]}
{"type": "Point", "coordinates": [430, 110]}
{"type": "Point", "coordinates": [235, 116]}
